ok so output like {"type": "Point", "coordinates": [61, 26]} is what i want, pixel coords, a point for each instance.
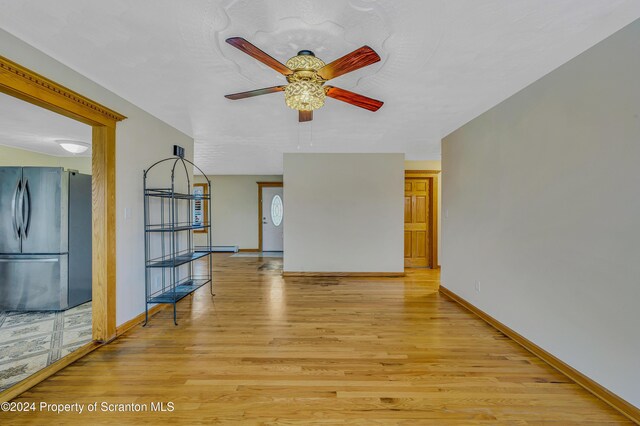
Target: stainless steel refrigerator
{"type": "Point", "coordinates": [45, 239]}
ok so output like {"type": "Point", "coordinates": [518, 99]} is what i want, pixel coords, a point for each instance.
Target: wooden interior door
{"type": "Point", "coordinates": [417, 193]}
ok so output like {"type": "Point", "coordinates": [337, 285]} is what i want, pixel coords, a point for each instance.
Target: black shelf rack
{"type": "Point", "coordinates": [171, 270]}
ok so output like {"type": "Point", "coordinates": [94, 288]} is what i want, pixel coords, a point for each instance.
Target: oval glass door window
{"type": "Point", "coordinates": [276, 210]}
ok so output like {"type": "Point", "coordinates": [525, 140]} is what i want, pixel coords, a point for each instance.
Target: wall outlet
{"type": "Point", "coordinates": [477, 286]}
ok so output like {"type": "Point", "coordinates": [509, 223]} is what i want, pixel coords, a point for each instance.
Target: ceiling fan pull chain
{"type": "Point", "coordinates": [305, 134]}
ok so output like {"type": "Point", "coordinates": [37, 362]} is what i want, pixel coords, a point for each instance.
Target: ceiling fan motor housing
{"type": "Point", "coordinates": [305, 62]}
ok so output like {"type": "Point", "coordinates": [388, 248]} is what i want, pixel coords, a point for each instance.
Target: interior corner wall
{"type": "Point", "coordinates": [11, 156]}
{"type": "Point", "coordinates": [141, 140]}
{"type": "Point", "coordinates": [234, 200]}
{"type": "Point", "coordinates": [542, 207]}
{"type": "Point", "coordinates": [343, 212]}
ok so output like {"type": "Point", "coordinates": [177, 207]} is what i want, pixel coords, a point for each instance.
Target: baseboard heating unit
{"type": "Point", "coordinates": [225, 249]}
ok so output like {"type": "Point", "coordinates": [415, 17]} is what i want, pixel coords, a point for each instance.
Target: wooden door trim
{"type": "Point", "coordinates": [22, 83]}
{"type": "Point", "coordinates": [433, 209]}
{"type": "Point", "coordinates": [421, 173]}
{"type": "Point", "coordinates": [260, 186]}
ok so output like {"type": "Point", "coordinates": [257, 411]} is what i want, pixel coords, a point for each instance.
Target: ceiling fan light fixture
{"type": "Point", "coordinates": [307, 75]}
{"type": "Point", "coordinates": [304, 95]}
{"type": "Point", "coordinates": [74, 147]}
{"type": "Point", "coordinates": [305, 61]}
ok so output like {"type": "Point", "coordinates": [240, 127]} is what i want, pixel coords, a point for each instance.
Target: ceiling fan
{"type": "Point", "coordinates": [306, 76]}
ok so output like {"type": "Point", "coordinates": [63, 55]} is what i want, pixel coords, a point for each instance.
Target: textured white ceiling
{"type": "Point", "coordinates": [26, 126]}
{"type": "Point", "coordinates": [443, 63]}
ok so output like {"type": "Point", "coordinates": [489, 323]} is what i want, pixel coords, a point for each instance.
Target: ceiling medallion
{"type": "Point", "coordinates": [287, 26]}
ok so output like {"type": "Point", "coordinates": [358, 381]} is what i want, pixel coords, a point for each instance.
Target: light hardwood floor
{"type": "Point", "coordinates": [268, 350]}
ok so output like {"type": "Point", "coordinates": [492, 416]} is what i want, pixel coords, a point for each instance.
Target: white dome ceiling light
{"type": "Point", "coordinates": [74, 147]}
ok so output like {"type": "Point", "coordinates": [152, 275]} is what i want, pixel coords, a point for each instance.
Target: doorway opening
{"type": "Point", "coordinates": [45, 238]}
{"type": "Point", "coordinates": [26, 85]}
{"type": "Point", "coordinates": [421, 219]}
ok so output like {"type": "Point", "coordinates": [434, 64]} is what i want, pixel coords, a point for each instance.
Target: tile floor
{"type": "Point", "coordinates": [29, 341]}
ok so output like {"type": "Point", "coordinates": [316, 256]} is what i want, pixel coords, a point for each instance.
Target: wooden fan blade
{"type": "Point", "coordinates": [305, 116]}
{"type": "Point", "coordinates": [353, 98]}
{"type": "Point", "coordinates": [251, 50]}
{"type": "Point", "coordinates": [355, 60]}
{"type": "Point", "coordinates": [257, 92]}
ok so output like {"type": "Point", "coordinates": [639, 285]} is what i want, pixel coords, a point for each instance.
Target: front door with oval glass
{"type": "Point", "coordinates": [272, 219]}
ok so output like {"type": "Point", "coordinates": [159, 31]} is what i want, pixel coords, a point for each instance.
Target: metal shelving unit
{"type": "Point", "coordinates": [169, 243]}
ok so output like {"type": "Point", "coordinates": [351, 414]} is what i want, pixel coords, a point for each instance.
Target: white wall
{"type": "Point", "coordinates": [141, 140]}
{"type": "Point", "coordinates": [343, 212]}
{"type": "Point", "coordinates": [235, 210]}
{"type": "Point", "coordinates": [10, 156]}
{"type": "Point", "coordinates": [542, 206]}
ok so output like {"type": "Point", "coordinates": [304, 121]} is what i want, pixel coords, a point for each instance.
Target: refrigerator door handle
{"type": "Point", "coordinates": [26, 195]}
{"type": "Point", "coordinates": [14, 260]}
{"type": "Point", "coordinates": [15, 204]}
